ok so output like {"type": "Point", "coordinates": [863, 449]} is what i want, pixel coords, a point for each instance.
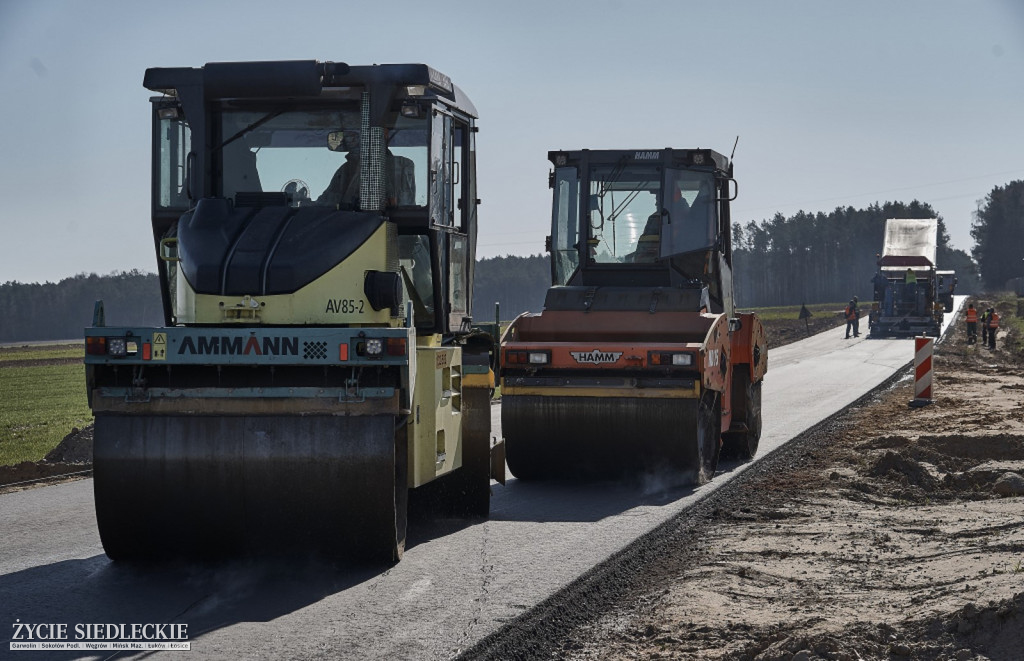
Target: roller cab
{"type": "Point", "coordinates": [314, 225]}
{"type": "Point", "coordinates": [638, 361]}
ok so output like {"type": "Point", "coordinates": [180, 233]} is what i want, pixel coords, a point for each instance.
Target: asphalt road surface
{"type": "Point", "coordinates": [458, 581]}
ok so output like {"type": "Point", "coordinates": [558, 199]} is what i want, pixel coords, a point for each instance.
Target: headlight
{"type": "Point", "coordinates": [117, 347]}
{"type": "Point", "coordinates": [524, 357]}
{"type": "Point", "coordinates": [670, 358]}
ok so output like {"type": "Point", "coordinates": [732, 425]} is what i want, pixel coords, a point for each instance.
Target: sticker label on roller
{"type": "Point", "coordinates": [159, 346]}
{"type": "Point", "coordinates": [595, 356]}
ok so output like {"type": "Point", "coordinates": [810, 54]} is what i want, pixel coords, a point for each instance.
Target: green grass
{"type": "Point", "coordinates": [789, 312]}
{"type": "Point", "coordinates": [48, 352]}
{"type": "Point", "coordinates": [39, 405]}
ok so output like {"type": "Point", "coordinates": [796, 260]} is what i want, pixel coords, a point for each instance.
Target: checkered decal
{"type": "Point", "coordinates": [314, 350]}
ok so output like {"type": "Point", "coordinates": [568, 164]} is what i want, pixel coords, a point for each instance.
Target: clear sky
{"type": "Point", "coordinates": [835, 103]}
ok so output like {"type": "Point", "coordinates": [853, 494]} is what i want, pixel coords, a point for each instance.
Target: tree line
{"type": "Point", "coordinates": [62, 310]}
{"type": "Point", "coordinates": [803, 258]}
{"type": "Point", "coordinates": [998, 233]}
{"type": "Point", "coordinates": [827, 257]}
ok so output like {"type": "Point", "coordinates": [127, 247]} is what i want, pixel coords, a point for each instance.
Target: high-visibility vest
{"type": "Point", "coordinates": [993, 320]}
{"type": "Point", "coordinates": [972, 316]}
{"type": "Point", "coordinates": [851, 313]}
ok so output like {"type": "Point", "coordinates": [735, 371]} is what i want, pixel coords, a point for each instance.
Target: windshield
{"type": "Point", "coordinates": [622, 211]}
{"type": "Point", "coordinates": [691, 211]}
{"type": "Point", "coordinates": [314, 157]}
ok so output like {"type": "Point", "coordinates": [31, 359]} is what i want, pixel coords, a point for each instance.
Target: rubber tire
{"type": "Point", "coordinates": [743, 445]}
{"type": "Point", "coordinates": [709, 435]}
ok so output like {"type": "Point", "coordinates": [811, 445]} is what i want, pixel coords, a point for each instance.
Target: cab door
{"type": "Point", "coordinates": [453, 212]}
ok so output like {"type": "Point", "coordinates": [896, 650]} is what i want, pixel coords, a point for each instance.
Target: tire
{"type": "Point", "coordinates": [709, 435]}
{"type": "Point", "coordinates": [743, 444]}
{"type": "Point", "coordinates": [469, 487]}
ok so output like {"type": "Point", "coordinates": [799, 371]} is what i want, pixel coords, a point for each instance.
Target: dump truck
{"type": "Point", "coordinates": [639, 362]}
{"type": "Point", "coordinates": [315, 230]}
{"type": "Point", "coordinates": [906, 301]}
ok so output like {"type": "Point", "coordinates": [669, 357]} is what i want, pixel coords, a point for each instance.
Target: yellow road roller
{"type": "Point", "coordinates": [314, 226]}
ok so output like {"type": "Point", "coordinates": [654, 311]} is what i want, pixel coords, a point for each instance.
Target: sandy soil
{"type": "Point", "coordinates": [899, 533]}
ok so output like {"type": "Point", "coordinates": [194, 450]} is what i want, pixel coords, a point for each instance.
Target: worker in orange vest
{"type": "Point", "coordinates": [993, 326]}
{"type": "Point", "coordinates": [851, 319]}
{"type": "Point", "coordinates": [972, 324]}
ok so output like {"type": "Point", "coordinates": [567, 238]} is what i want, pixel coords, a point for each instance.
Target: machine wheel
{"type": "Point", "coordinates": [527, 458]}
{"type": "Point", "coordinates": [567, 437]}
{"type": "Point", "coordinates": [334, 486]}
{"type": "Point", "coordinates": [469, 488]}
{"type": "Point", "coordinates": [743, 444]}
{"type": "Point", "coordinates": [709, 435]}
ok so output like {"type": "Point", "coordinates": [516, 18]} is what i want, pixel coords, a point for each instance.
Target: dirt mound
{"type": "Point", "coordinates": [905, 470]}
{"type": "Point", "coordinates": [76, 448]}
{"type": "Point", "coordinates": [72, 455]}
{"type": "Point", "coordinates": [976, 446]}
{"type": "Point", "coordinates": [993, 632]}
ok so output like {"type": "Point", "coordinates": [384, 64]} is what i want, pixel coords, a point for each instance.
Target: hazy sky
{"type": "Point", "coordinates": [835, 103]}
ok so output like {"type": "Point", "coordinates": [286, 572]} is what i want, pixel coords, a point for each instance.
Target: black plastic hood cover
{"type": "Point", "coordinates": [232, 251]}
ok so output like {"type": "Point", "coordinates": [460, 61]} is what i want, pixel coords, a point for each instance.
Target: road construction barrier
{"type": "Point", "coordinates": [923, 347]}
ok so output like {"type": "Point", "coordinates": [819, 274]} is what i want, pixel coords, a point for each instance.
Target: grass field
{"type": "Point", "coordinates": [42, 397]}
{"type": "Point", "coordinates": [789, 312]}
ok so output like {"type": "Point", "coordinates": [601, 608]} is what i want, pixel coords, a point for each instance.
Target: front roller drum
{"type": "Point", "coordinates": [203, 487]}
{"type": "Point", "coordinates": [553, 436]}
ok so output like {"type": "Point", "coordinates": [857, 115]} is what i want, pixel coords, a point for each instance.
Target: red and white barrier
{"type": "Point", "coordinates": [923, 371]}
